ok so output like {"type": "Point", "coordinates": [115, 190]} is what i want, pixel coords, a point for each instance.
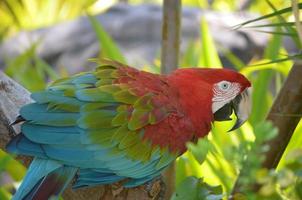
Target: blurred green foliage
{"type": "Point", "coordinates": [12, 168]}
{"type": "Point", "coordinates": [30, 70]}
{"type": "Point", "coordinates": [209, 170]}
{"type": "Point", "coordinates": [18, 15]}
{"type": "Point", "coordinates": [109, 48]}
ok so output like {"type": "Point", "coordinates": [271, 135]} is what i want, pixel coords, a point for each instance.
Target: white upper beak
{"type": "Point", "coordinates": [242, 106]}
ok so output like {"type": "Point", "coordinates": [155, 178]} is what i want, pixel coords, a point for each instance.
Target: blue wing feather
{"type": "Point", "coordinates": [62, 134]}
{"type": "Point", "coordinates": [95, 178]}
{"type": "Point", "coordinates": [51, 134]}
{"type": "Point", "coordinates": [21, 145]}
{"type": "Point", "coordinates": [37, 170]}
{"type": "Point", "coordinates": [38, 114]}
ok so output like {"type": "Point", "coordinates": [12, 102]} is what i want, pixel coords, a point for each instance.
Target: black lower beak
{"type": "Point", "coordinates": [235, 106]}
{"type": "Point", "coordinates": [241, 105]}
{"type": "Point", "coordinates": [224, 113]}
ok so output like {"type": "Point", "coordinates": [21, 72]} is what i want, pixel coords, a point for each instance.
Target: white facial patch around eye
{"type": "Point", "coordinates": [223, 93]}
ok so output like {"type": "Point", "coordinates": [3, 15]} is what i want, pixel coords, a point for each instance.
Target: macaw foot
{"type": "Point", "coordinates": [156, 188]}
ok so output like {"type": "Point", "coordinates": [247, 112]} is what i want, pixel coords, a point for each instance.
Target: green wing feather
{"type": "Point", "coordinates": [99, 123]}
{"type": "Point", "coordinates": [107, 111]}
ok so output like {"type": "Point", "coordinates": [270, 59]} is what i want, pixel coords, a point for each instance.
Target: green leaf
{"type": "Point", "coordinates": [30, 70]}
{"type": "Point", "coordinates": [109, 49]}
{"type": "Point", "coordinates": [15, 169]}
{"type": "Point", "coordinates": [200, 150]}
{"type": "Point", "coordinates": [298, 188]}
{"type": "Point", "coordinates": [46, 68]}
{"type": "Point", "coordinates": [273, 14]}
{"type": "Point", "coordinates": [188, 189]}
{"type": "Point", "coordinates": [289, 26]}
{"type": "Point", "coordinates": [265, 131]}
{"type": "Point", "coordinates": [209, 56]}
{"type": "Point", "coordinates": [191, 55]}
{"type": "Point", "coordinates": [193, 188]}
{"type": "Point", "coordinates": [280, 24]}
{"type": "Point", "coordinates": [289, 29]}
{"type": "Point", "coordinates": [238, 64]}
{"type": "Point", "coordinates": [277, 33]}
{"type": "Point", "coordinates": [180, 170]}
{"type": "Point", "coordinates": [262, 82]}
{"type": "Point", "coordinates": [4, 194]}
{"type": "Point", "coordinates": [276, 61]}
{"type": "Point", "coordinates": [19, 15]}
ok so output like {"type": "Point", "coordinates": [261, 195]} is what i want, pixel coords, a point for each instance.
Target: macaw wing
{"type": "Point", "coordinates": [97, 121]}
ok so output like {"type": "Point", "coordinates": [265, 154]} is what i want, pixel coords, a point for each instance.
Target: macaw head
{"type": "Point", "coordinates": [209, 94]}
{"type": "Point", "coordinates": [231, 93]}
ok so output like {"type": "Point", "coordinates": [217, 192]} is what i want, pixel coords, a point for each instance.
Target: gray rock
{"type": "Point", "coordinates": [137, 31]}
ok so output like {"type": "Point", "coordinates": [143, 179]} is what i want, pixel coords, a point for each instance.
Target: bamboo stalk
{"type": "Point", "coordinates": [170, 35]}
{"type": "Point", "coordinates": [171, 27]}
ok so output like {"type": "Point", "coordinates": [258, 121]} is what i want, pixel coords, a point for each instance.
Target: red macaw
{"type": "Point", "coordinates": [119, 123]}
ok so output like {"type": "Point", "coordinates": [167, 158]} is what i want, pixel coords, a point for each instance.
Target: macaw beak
{"type": "Point", "coordinates": [241, 105]}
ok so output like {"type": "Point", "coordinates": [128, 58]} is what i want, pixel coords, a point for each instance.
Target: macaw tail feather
{"type": "Point", "coordinates": [44, 179]}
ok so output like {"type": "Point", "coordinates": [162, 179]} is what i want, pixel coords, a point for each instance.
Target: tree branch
{"type": "Point", "coordinates": [12, 97]}
{"type": "Point", "coordinates": [285, 114]}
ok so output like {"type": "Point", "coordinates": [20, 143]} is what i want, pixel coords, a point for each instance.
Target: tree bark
{"type": "Point", "coordinates": [12, 97]}
{"type": "Point", "coordinates": [285, 114]}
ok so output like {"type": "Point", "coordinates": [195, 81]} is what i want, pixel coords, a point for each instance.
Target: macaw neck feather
{"type": "Point", "coordinates": [195, 98]}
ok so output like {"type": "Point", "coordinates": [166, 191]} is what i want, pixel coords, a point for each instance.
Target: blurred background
{"type": "Point", "coordinates": [41, 41]}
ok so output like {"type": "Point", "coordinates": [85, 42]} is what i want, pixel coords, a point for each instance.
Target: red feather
{"type": "Point", "coordinates": [186, 95]}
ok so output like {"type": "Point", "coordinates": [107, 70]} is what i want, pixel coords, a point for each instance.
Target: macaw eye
{"type": "Point", "coordinates": [224, 85]}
